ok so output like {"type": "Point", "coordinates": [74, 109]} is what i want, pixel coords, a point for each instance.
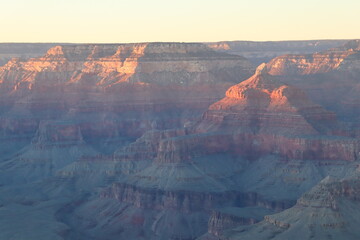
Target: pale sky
{"type": "Point", "coordinates": [114, 21]}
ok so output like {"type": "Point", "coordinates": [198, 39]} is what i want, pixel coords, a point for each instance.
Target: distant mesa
{"type": "Point", "coordinates": [322, 62]}
{"type": "Point", "coordinates": [106, 65]}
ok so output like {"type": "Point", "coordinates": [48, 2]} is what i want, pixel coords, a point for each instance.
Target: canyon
{"type": "Point", "coordinates": [181, 141]}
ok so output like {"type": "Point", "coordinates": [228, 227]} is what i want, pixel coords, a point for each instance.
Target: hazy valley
{"type": "Point", "coordinates": [182, 141]}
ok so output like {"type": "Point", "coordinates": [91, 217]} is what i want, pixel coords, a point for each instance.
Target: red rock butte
{"type": "Point", "coordinates": [264, 104]}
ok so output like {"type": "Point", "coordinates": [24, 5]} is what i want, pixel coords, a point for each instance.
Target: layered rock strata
{"type": "Point", "coordinates": [326, 211]}
{"type": "Point", "coordinates": [260, 147]}
{"type": "Point", "coordinates": [330, 77]}
{"type": "Point", "coordinates": [119, 90]}
{"type": "Point", "coordinates": [202, 168]}
{"type": "Point", "coordinates": [259, 52]}
{"type": "Point", "coordinates": [321, 62]}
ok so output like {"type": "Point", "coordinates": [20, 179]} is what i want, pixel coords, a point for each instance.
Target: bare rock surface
{"type": "Point", "coordinates": [328, 210]}
{"type": "Point", "coordinates": [259, 52]}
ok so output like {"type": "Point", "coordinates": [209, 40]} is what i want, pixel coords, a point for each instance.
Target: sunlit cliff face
{"type": "Point", "coordinates": [108, 65]}
{"type": "Point", "coordinates": [265, 104]}
{"type": "Point", "coordinates": [219, 46]}
{"type": "Point", "coordinates": [261, 89]}
{"type": "Point", "coordinates": [307, 64]}
{"type": "Point", "coordinates": [314, 63]}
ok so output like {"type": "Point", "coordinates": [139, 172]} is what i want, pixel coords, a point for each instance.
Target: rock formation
{"type": "Point", "coordinates": [106, 65]}
{"type": "Point", "coordinates": [22, 50]}
{"type": "Point", "coordinates": [65, 113]}
{"type": "Point", "coordinates": [127, 88]}
{"type": "Point", "coordinates": [55, 145]}
{"type": "Point", "coordinates": [259, 52]}
{"type": "Point", "coordinates": [259, 102]}
{"type": "Point", "coordinates": [315, 63]}
{"type": "Point", "coordinates": [328, 77]}
{"type": "Point", "coordinates": [326, 211]}
{"type": "Point", "coordinates": [205, 167]}
{"type": "Point", "coordinates": [133, 141]}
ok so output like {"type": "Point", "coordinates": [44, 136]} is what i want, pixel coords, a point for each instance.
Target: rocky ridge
{"type": "Point", "coordinates": [259, 52]}
{"type": "Point", "coordinates": [324, 212]}
{"type": "Point", "coordinates": [106, 65]}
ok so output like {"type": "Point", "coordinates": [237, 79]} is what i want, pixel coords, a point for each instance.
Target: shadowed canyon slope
{"type": "Point", "coordinates": [177, 141]}
{"type": "Point", "coordinates": [325, 212]}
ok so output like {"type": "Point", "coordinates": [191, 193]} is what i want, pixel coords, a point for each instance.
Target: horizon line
{"type": "Point", "coordinates": [299, 40]}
